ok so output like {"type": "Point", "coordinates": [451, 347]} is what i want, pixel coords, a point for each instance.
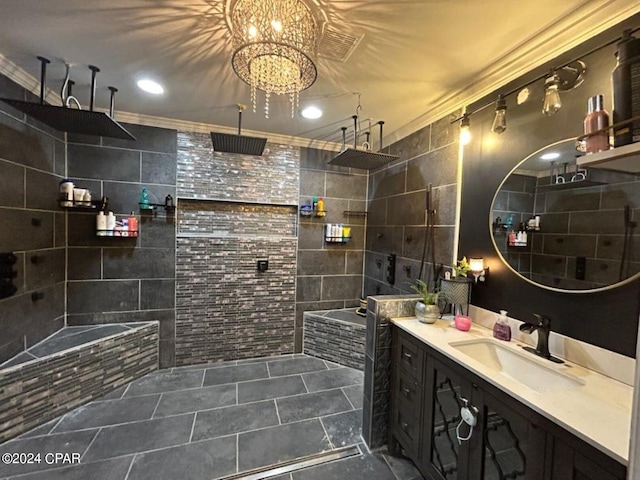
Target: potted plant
{"type": "Point", "coordinates": [427, 309]}
{"type": "Point", "coordinates": [457, 290]}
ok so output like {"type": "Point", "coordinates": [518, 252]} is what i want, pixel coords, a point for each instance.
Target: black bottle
{"type": "Point", "coordinates": [626, 90]}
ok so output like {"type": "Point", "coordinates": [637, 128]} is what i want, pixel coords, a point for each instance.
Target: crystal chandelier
{"type": "Point", "coordinates": [275, 46]}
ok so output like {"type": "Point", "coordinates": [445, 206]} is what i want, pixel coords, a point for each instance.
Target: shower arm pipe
{"type": "Point", "coordinates": [544, 75]}
{"type": "Point", "coordinates": [380, 123]}
{"type": "Point", "coordinates": [355, 131]}
{"type": "Point", "coordinates": [112, 101]}
{"type": "Point", "coordinates": [43, 77]}
{"type": "Point", "coordinates": [94, 72]}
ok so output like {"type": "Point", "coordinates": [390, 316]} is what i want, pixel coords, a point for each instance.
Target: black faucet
{"type": "Point", "coordinates": [543, 326]}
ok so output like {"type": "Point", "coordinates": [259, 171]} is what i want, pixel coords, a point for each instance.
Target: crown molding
{"type": "Point", "coordinates": [593, 18]}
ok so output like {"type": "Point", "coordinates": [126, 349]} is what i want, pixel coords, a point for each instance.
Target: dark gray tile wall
{"type": "Point", "coordinates": [334, 340]}
{"type": "Point", "coordinates": [35, 392]}
{"type": "Point", "coordinates": [397, 203]}
{"type": "Point", "coordinates": [110, 279]}
{"type": "Point", "coordinates": [329, 275]}
{"type": "Point", "coordinates": [32, 163]}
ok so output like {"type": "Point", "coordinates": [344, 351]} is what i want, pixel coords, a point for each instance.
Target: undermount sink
{"type": "Point", "coordinates": [518, 365]}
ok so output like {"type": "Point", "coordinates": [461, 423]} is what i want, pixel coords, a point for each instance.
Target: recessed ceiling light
{"type": "Point", "coordinates": [550, 156]}
{"type": "Point", "coordinates": [311, 112]}
{"type": "Point", "coordinates": [150, 86]}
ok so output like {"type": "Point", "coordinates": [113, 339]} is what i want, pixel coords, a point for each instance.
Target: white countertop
{"type": "Point", "coordinates": [599, 411]}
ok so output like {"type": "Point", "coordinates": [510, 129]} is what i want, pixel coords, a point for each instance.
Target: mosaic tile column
{"type": "Point", "coordinates": [377, 367]}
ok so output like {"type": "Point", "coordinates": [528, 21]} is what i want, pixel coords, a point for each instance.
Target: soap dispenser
{"type": "Point", "coordinates": [501, 329]}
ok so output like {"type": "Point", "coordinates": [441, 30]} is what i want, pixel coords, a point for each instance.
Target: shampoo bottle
{"type": "Point", "coordinates": [111, 224]}
{"type": "Point", "coordinates": [501, 329]}
{"type": "Point", "coordinates": [101, 224]}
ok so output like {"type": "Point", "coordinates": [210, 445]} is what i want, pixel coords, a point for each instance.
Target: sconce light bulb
{"type": "Point", "coordinates": [500, 118]}
{"type": "Point", "coordinates": [465, 131]}
{"type": "Point", "coordinates": [552, 102]}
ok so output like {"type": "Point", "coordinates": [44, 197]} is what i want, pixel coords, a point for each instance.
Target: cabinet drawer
{"type": "Point", "coordinates": [406, 427]}
{"type": "Point", "coordinates": [407, 391]}
{"type": "Point", "coordinates": [410, 357]}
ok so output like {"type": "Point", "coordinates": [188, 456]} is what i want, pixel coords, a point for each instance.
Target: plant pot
{"type": "Point", "coordinates": [457, 293]}
{"type": "Point", "coordinates": [427, 313]}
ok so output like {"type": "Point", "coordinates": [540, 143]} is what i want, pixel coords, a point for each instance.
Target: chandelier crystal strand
{"type": "Point", "coordinates": [275, 47]}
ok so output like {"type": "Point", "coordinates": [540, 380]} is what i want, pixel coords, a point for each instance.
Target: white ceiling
{"type": "Point", "coordinates": [418, 60]}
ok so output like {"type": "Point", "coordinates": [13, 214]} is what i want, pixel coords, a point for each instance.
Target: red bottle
{"type": "Point", "coordinates": [133, 225]}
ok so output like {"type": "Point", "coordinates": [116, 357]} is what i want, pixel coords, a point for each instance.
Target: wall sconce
{"type": "Point", "coordinates": [552, 102]}
{"type": "Point", "coordinates": [500, 117]}
{"type": "Point", "coordinates": [465, 132]}
{"type": "Point", "coordinates": [478, 270]}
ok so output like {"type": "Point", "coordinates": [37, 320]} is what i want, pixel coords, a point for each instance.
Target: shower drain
{"type": "Point", "coordinates": [296, 464]}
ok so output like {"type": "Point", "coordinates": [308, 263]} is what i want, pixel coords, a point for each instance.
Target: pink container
{"type": "Point", "coordinates": [462, 322]}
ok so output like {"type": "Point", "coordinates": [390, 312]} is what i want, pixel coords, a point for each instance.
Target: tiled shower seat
{"type": "Point", "coordinates": [335, 335]}
{"type": "Point", "coordinates": [71, 367]}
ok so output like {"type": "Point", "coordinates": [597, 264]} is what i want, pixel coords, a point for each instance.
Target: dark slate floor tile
{"type": "Point", "coordinates": [58, 343]}
{"type": "Point", "coordinates": [112, 412]}
{"type": "Point", "coordinates": [278, 444]}
{"type": "Point", "coordinates": [310, 405]}
{"type": "Point", "coordinates": [354, 393]}
{"type": "Point", "coordinates": [239, 418]}
{"type": "Point", "coordinates": [23, 357]}
{"type": "Point", "coordinates": [197, 461]}
{"type": "Point", "coordinates": [331, 365]}
{"type": "Point", "coordinates": [340, 377]}
{"type": "Point", "coordinates": [43, 429]}
{"type": "Point", "coordinates": [112, 469]}
{"type": "Point", "coordinates": [295, 365]}
{"type": "Point", "coordinates": [206, 398]}
{"type": "Point", "coordinates": [164, 381]}
{"type": "Point", "coordinates": [114, 394]}
{"type": "Point", "coordinates": [140, 437]}
{"type": "Point", "coordinates": [402, 468]}
{"type": "Point", "coordinates": [364, 467]}
{"type": "Point", "coordinates": [270, 388]}
{"type": "Point", "coordinates": [233, 374]}
{"type": "Point", "coordinates": [344, 429]}
{"type": "Point", "coordinates": [74, 442]}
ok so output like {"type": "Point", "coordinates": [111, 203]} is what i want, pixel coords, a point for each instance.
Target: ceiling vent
{"type": "Point", "coordinates": [336, 45]}
{"type": "Point", "coordinates": [242, 144]}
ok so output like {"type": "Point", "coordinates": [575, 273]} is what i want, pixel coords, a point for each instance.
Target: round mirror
{"type": "Point", "coordinates": [566, 228]}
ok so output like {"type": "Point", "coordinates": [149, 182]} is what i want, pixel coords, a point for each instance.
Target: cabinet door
{"type": "Point", "coordinates": [508, 446]}
{"type": "Point", "coordinates": [571, 465]}
{"type": "Point", "coordinates": [444, 458]}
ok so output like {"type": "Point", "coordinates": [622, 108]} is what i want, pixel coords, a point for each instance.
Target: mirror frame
{"type": "Point", "coordinates": [506, 263]}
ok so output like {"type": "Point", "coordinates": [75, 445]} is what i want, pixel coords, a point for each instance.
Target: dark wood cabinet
{"type": "Point", "coordinates": [509, 441]}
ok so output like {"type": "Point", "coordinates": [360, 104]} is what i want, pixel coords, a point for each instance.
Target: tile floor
{"type": "Point", "coordinates": [199, 423]}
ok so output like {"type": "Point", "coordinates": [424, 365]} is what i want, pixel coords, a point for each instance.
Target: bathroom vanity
{"type": "Point", "coordinates": [532, 420]}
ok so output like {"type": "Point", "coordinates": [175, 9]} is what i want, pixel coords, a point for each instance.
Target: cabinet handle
{"type": "Point", "coordinates": [408, 355]}
{"type": "Point", "coordinates": [404, 426]}
{"type": "Point", "coordinates": [406, 391]}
